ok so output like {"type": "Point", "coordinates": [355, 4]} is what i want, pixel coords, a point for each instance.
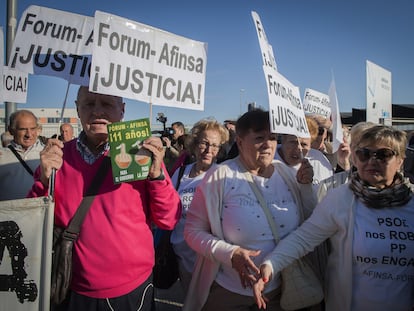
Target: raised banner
{"type": "Point", "coordinates": [14, 86]}
{"type": "Point", "coordinates": [379, 98]}
{"type": "Point", "coordinates": [285, 106]}
{"type": "Point", "coordinates": [144, 63]}
{"type": "Point", "coordinates": [53, 43]}
{"type": "Point", "coordinates": [337, 131]}
{"type": "Point", "coordinates": [316, 103]}
{"type": "Point", "coordinates": [268, 57]}
{"type": "Point", "coordinates": [26, 228]}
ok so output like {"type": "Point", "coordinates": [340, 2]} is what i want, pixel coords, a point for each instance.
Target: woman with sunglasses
{"type": "Point", "coordinates": [370, 226]}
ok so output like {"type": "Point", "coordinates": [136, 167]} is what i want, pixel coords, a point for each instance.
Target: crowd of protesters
{"type": "Point", "coordinates": [203, 184]}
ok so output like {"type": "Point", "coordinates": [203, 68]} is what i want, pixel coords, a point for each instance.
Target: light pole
{"type": "Point", "coordinates": [241, 94]}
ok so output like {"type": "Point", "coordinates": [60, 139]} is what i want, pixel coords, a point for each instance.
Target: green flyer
{"type": "Point", "coordinates": [129, 160]}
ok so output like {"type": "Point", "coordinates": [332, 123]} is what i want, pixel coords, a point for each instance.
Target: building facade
{"type": "Point", "coordinates": [49, 120]}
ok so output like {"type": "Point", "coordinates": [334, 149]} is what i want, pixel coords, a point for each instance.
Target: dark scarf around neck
{"type": "Point", "coordinates": [397, 194]}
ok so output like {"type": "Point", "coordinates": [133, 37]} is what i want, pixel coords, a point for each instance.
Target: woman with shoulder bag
{"type": "Point", "coordinates": [227, 226]}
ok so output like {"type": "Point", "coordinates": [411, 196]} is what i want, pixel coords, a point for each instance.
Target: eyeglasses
{"type": "Point", "coordinates": [384, 154]}
{"type": "Point", "coordinates": [204, 145]}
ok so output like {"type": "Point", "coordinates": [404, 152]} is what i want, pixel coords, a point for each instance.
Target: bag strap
{"type": "Point", "coordinates": [260, 198]}
{"type": "Point", "coordinates": [23, 162]}
{"type": "Point", "coordinates": [180, 175]}
{"type": "Point", "coordinates": [72, 231]}
{"type": "Point", "coordinates": [263, 204]}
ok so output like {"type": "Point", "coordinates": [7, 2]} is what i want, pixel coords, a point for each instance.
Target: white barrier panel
{"type": "Point", "coordinates": [26, 228]}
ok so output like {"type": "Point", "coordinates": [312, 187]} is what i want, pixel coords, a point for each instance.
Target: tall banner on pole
{"type": "Point", "coordinates": [144, 63]}
{"type": "Point", "coordinates": [379, 97]}
{"type": "Point", "coordinates": [26, 230]}
{"type": "Point", "coordinates": [53, 43]}
{"type": "Point", "coordinates": [265, 47]}
{"type": "Point", "coordinates": [337, 132]}
{"type": "Point", "coordinates": [285, 106]}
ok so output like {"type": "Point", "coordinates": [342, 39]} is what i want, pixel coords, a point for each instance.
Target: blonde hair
{"type": "Point", "coordinates": [205, 125]}
{"type": "Point", "coordinates": [313, 127]}
{"type": "Point", "coordinates": [387, 135]}
{"type": "Point", "coordinates": [357, 130]}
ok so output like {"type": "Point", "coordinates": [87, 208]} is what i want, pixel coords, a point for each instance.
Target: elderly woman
{"type": "Point", "coordinates": [227, 226]}
{"type": "Point", "coordinates": [370, 223]}
{"type": "Point", "coordinates": [205, 141]}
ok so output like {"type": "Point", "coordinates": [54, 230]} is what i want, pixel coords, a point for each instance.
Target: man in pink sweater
{"type": "Point", "coordinates": [114, 254]}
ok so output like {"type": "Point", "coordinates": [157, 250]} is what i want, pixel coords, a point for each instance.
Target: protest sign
{"type": "Point", "coordinates": [54, 43]}
{"type": "Point", "coordinates": [379, 97]}
{"type": "Point", "coordinates": [265, 47]}
{"type": "Point", "coordinates": [14, 86]}
{"type": "Point", "coordinates": [26, 228]}
{"type": "Point", "coordinates": [128, 159]}
{"type": "Point", "coordinates": [144, 63]}
{"type": "Point", "coordinates": [285, 106]}
{"type": "Point", "coordinates": [316, 103]}
{"type": "Point", "coordinates": [337, 132]}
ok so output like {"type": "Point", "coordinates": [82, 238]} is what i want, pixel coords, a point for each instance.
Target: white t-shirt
{"type": "Point", "coordinates": [245, 224]}
{"type": "Point", "coordinates": [186, 191]}
{"type": "Point", "coordinates": [383, 258]}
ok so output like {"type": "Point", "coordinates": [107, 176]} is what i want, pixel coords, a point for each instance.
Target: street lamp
{"type": "Point", "coordinates": [241, 94]}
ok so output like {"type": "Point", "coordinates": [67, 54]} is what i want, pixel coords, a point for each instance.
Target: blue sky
{"type": "Point", "coordinates": [311, 39]}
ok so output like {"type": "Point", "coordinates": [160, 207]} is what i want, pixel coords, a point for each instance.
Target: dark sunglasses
{"type": "Point", "coordinates": [383, 154]}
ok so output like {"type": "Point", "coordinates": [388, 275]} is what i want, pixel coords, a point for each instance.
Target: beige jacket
{"type": "Point", "coordinates": [203, 230]}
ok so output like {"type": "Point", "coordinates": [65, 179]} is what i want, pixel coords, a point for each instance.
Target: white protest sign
{"type": "Point", "coordinates": [379, 94]}
{"type": "Point", "coordinates": [14, 86]}
{"type": "Point", "coordinates": [141, 62]}
{"type": "Point", "coordinates": [316, 103]}
{"type": "Point", "coordinates": [337, 132]}
{"type": "Point", "coordinates": [265, 47]}
{"type": "Point", "coordinates": [1, 63]}
{"type": "Point", "coordinates": [285, 107]}
{"type": "Point", "coordinates": [54, 43]}
{"type": "Point", "coordinates": [26, 228]}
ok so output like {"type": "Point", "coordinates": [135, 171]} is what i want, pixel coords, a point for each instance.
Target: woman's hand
{"type": "Point", "coordinates": [51, 157]}
{"type": "Point", "coordinates": [304, 174]}
{"type": "Point", "coordinates": [260, 284]}
{"type": "Point", "coordinates": [154, 145]}
{"type": "Point", "coordinates": [242, 263]}
{"type": "Point", "coordinates": [343, 155]}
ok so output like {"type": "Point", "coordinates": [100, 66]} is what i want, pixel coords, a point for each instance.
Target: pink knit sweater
{"type": "Point", "coordinates": [114, 253]}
